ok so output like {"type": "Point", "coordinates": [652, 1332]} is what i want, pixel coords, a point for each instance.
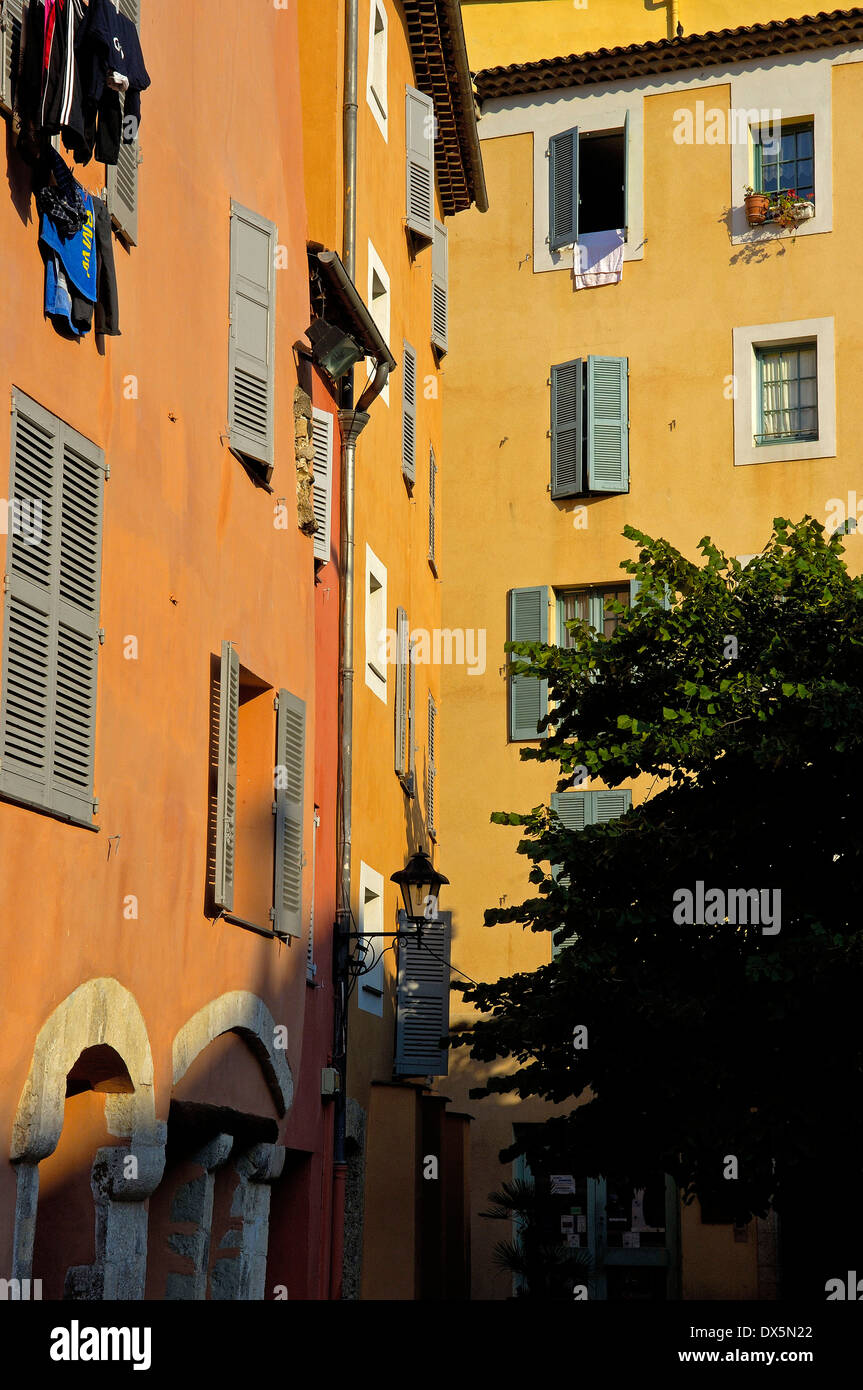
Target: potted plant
{"type": "Point", "coordinates": [788, 209]}
{"type": "Point", "coordinates": [757, 205]}
{"type": "Point", "coordinates": [546, 1269]}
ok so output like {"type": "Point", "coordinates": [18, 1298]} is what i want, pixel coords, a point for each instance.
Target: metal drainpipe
{"type": "Point", "coordinates": [674, 6]}
{"type": "Point", "coordinates": [350, 423]}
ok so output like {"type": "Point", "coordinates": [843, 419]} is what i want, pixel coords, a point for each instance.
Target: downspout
{"type": "Point", "coordinates": [673, 18]}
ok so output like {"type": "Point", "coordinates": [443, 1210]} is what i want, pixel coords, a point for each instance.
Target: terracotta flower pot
{"type": "Point", "coordinates": [756, 207]}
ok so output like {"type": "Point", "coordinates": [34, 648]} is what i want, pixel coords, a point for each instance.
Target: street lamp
{"type": "Point", "coordinates": [420, 883]}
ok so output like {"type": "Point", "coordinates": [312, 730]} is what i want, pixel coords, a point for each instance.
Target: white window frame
{"type": "Point", "coordinates": [380, 306]}
{"type": "Point", "coordinates": [746, 340]}
{"type": "Point", "coordinates": [376, 625]}
{"type": "Point", "coordinates": [376, 68]}
{"type": "Point", "coordinates": [370, 987]}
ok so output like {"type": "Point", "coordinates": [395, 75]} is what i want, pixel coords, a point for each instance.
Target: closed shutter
{"type": "Point", "coordinates": [578, 809]}
{"type": "Point", "coordinates": [51, 621]}
{"type": "Point", "coordinates": [409, 414]}
{"type": "Point", "coordinates": [440, 287]}
{"type": "Point", "coordinates": [412, 726]}
{"type": "Point", "coordinates": [226, 791]}
{"type": "Point", "coordinates": [322, 489]}
{"type": "Point", "coordinates": [422, 1011]}
{"type": "Point", "coordinates": [419, 142]}
{"type": "Point", "coordinates": [10, 49]}
{"type": "Point", "coordinates": [566, 428]}
{"type": "Point", "coordinates": [635, 589]}
{"type": "Point", "coordinates": [528, 696]}
{"type": "Point", "coordinates": [607, 424]}
{"type": "Point", "coordinates": [251, 357]}
{"type": "Point", "coordinates": [122, 178]}
{"type": "Point", "coordinates": [432, 508]}
{"type": "Point", "coordinates": [401, 700]}
{"type": "Point", "coordinates": [290, 789]}
{"type": "Point", "coordinates": [432, 769]}
{"type": "Point", "coordinates": [563, 189]}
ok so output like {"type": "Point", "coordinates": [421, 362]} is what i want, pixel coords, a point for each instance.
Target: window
{"type": "Point", "coordinates": [379, 308]}
{"type": "Point", "coordinates": [251, 356]}
{"type": "Point", "coordinates": [376, 625]}
{"type": "Point", "coordinates": [376, 80]}
{"type": "Point", "coordinates": [440, 289]}
{"type": "Point", "coordinates": [51, 628]}
{"type": "Point", "coordinates": [422, 1010]}
{"type": "Point", "coordinates": [404, 703]}
{"type": "Point", "coordinates": [249, 782]}
{"type": "Point", "coordinates": [787, 393]}
{"type": "Point", "coordinates": [431, 770]}
{"type": "Point", "coordinates": [784, 400]}
{"type": "Point", "coordinates": [578, 809]}
{"type": "Point", "coordinates": [419, 141]}
{"type": "Point", "coordinates": [591, 605]}
{"type": "Point", "coordinates": [409, 416]}
{"type": "Point", "coordinates": [10, 50]}
{"type": "Point", "coordinates": [528, 696]}
{"type": "Point", "coordinates": [370, 987]}
{"type": "Point", "coordinates": [590, 426]}
{"type": "Point", "coordinates": [587, 183]}
{"type": "Point", "coordinates": [787, 161]}
{"type": "Point", "coordinates": [322, 487]}
{"type": "Point", "coordinates": [122, 178]}
{"type": "Point", "coordinates": [432, 512]}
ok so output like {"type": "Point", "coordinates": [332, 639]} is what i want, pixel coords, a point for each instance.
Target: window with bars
{"type": "Point", "coordinates": [787, 393]}
{"type": "Point", "coordinates": [786, 160]}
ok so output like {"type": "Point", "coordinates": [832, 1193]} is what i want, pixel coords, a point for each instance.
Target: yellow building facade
{"type": "Point", "coordinates": [667, 140]}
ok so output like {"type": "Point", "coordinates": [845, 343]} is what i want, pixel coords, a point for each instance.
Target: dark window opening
{"type": "Point", "coordinates": [601, 176]}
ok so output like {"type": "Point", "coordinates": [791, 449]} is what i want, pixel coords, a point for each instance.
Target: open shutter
{"type": "Point", "coordinates": [401, 699]}
{"type": "Point", "coordinates": [412, 695]}
{"type": "Point", "coordinates": [322, 488]}
{"type": "Point", "coordinates": [10, 49]}
{"type": "Point", "coordinates": [409, 414]}
{"type": "Point", "coordinates": [608, 805]}
{"type": "Point", "coordinates": [528, 696]}
{"type": "Point", "coordinates": [251, 358]}
{"type": "Point", "coordinates": [607, 424]}
{"type": "Point", "coordinates": [290, 788]}
{"type": "Point", "coordinates": [440, 287]}
{"type": "Point", "coordinates": [566, 428]}
{"type": "Point", "coordinates": [122, 178]}
{"type": "Point", "coordinates": [563, 189]}
{"type": "Point", "coordinates": [626, 177]}
{"type": "Point", "coordinates": [432, 769]}
{"type": "Point", "coordinates": [422, 1014]}
{"type": "Point", "coordinates": [226, 791]}
{"type": "Point", "coordinates": [419, 142]}
{"type": "Point", "coordinates": [432, 507]}
{"type": "Point", "coordinates": [51, 626]}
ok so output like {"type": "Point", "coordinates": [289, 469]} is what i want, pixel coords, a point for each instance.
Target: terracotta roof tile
{"type": "Point", "coordinates": [828, 29]}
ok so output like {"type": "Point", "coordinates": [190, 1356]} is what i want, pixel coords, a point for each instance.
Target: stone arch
{"type": "Point", "coordinates": [101, 1013]}
{"type": "Point", "coordinates": [247, 1015]}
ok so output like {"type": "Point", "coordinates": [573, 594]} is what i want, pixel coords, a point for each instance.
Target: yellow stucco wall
{"type": "Point", "coordinates": [672, 316]}
{"type": "Point", "coordinates": [500, 32]}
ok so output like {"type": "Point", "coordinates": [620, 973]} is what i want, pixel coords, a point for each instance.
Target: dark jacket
{"type": "Point", "coordinates": [49, 97]}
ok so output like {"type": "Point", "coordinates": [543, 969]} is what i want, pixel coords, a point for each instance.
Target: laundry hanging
{"type": "Point", "coordinates": [75, 235]}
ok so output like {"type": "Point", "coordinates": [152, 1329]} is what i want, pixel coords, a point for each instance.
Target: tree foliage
{"type": "Point", "coordinates": [742, 703]}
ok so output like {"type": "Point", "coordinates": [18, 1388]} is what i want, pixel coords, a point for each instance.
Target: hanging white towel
{"type": "Point", "coordinates": [597, 259]}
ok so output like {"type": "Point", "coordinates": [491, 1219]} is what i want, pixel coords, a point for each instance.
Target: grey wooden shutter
{"type": "Point", "coordinates": [51, 620]}
{"type": "Point", "coordinates": [10, 49]}
{"type": "Point", "coordinates": [322, 489]}
{"type": "Point", "coordinates": [422, 1009]}
{"type": "Point", "coordinates": [419, 142]}
{"type": "Point", "coordinates": [401, 698]}
{"type": "Point", "coordinates": [578, 809]}
{"type": "Point", "coordinates": [563, 189]}
{"type": "Point", "coordinates": [226, 791]}
{"type": "Point", "coordinates": [122, 178]}
{"type": "Point", "coordinates": [566, 428]}
{"type": "Point", "coordinates": [607, 424]}
{"type": "Point", "coordinates": [440, 287]}
{"type": "Point", "coordinates": [432, 508]}
{"type": "Point", "coordinates": [291, 756]}
{"type": "Point", "coordinates": [431, 783]}
{"type": "Point", "coordinates": [409, 414]}
{"type": "Point", "coordinates": [412, 693]}
{"type": "Point", "coordinates": [251, 357]}
{"type": "Point", "coordinates": [528, 696]}
{"type": "Point", "coordinates": [608, 805]}
{"type": "Point", "coordinates": [626, 177]}
{"type": "Point", "coordinates": [635, 588]}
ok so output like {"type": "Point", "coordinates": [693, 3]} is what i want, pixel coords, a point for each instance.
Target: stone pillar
{"type": "Point", "coordinates": [26, 1206]}
{"type": "Point", "coordinates": [123, 1178]}
{"type": "Point", "coordinates": [193, 1202]}
{"type": "Point", "coordinates": [243, 1277]}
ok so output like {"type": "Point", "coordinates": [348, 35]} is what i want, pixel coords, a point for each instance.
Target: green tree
{"type": "Point", "coordinates": [743, 702]}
